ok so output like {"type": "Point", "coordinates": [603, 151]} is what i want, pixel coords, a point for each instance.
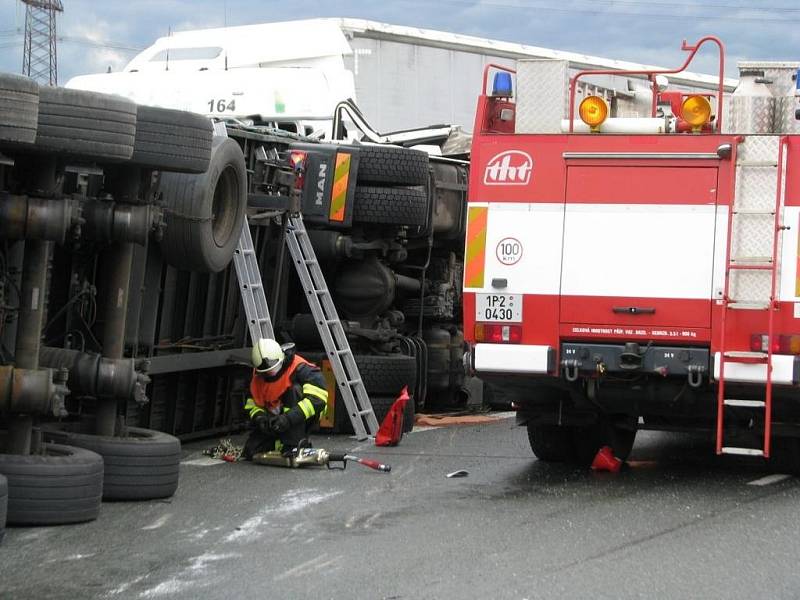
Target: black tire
{"type": "Point", "coordinates": [89, 125]}
{"type": "Point", "coordinates": [172, 140]}
{"type": "Point", "coordinates": [588, 440]}
{"type": "Point", "coordinates": [19, 97]}
{"type": "Point", "coordinates": [143, 466]}
{"type": "Point", "coordinates": [384, 378]}
{"type": "Point", "coordinates": [204, 212]}
{"type": "Point", "coordinates": [551, 443]}
{"type": "Point", "coordinates": [390, 206]}
{"type": "Point", "coordinates": [3, 506]}
{"type": "Point", "coordinates": [392, 165]}
{"type": "Point", "coordinates": [382, 375]}
{"type": "Point", "coordinates": [63, 485]}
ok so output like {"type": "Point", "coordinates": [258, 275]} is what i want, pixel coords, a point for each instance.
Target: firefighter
{"type": "Point", "coordinates": [287, 397]}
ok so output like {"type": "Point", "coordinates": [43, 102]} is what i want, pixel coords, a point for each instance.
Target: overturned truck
{"type": "Point", "coordinates": [122, 323]}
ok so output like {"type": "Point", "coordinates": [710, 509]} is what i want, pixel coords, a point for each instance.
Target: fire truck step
{"type": "Point", "coordinates": [742, 451]}
{"type": "Point", "coordinates": [748, 305]}
{"type": "Point", "coordinates": [734, 354]}
{"type": "Point", "coordinates": [745, 403]}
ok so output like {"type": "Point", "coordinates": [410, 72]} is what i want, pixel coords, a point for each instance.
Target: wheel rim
{"type": "Point", "coordinates": [222, 217]}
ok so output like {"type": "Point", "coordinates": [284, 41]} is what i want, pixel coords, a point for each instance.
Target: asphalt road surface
{"type": "Point", "coordinates": [679, 523]}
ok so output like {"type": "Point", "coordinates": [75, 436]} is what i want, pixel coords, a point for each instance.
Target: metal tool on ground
{"type": "Point", "coordinates": [305, 457]}
{"type": "Point", "coordinates": [350, 385]}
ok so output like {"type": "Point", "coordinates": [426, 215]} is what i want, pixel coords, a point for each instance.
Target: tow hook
{"type": "Point", "coordinates": [695, 375]}
{"type": "Point", "coordinates": [631, 357]}
{"type": "Point", "coordinates": [571, 366]}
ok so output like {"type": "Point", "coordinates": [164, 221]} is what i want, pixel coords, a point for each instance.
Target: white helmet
{"type": "Point", "coordinates": [267, 356]}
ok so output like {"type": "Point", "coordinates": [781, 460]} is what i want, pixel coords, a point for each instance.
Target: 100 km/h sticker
{"type": "Point", "coordinates": [509, 251]}
{"type": "Point", "coordinates": [506, 308]}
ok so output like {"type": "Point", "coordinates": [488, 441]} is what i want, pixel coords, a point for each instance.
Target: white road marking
{"type": "Point", "coordinates": [308, 567]}
{"type": "Point", "coordinates": [206, 461]}
{"type": "Point", "coordinates": [769, 479]}
{"type": "Point", "coordinates": [160, 522]}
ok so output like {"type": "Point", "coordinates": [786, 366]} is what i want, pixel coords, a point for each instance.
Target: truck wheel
{"type": "Point", "coordinates": [3, 506]}
{"type": "Point", "coordinates": [390, 206]}
{"type": "Point", "coordinates": [384, 377]}
{"type": "Point", "coordinates": [19, 97]}
{"type": "Point", "coordinates": [588, 440]}
{"type": "Point", "coordinates": [204, 212]}
{"type": "Point", "coordinates": [172, 140]}
{"type": "Point", "coordinates": [90, 125]}
{"type": "Point", "coordinates": [380, 406]}
{"type": "Point", "coordinates": [785, 456]}
{"type": "Point", "coordinates": [62, 485]}
{"type": "Point", "coordinates": [551, 443]}
{"type": "Point", "coordinates": [142, 466]}
{"type": "Point", "coordinates": [392, 165]}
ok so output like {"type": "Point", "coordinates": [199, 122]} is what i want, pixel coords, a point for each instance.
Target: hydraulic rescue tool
{"type": "Point", "coordinates": [303, 457]}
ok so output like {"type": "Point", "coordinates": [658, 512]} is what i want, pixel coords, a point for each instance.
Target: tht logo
{"type": "Point", "coordinates": [512, 167]}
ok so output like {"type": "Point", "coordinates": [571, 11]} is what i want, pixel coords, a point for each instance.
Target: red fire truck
{"type": "Point", "coordinates": [635, 272]}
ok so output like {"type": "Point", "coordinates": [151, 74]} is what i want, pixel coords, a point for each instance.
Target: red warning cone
{"type": "Point", "coordinates": [605, 460]}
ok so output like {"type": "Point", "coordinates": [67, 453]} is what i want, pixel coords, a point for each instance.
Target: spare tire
{"type": "Point", "coordinates": [62, 485]}
{"type": "Point", "coordinates": [172, 140]}
{"type": "Point", "coordinates": [390, 206]}
{"type": "Point", "coordinates": [205, 212]}
{"type": "Point", "coordinates": [19, 97]}
{"type": "Point", "coordinates": [89, 125]}
{"type": "Point", "coordinates": [144, 465]}
{"type": "Point", "coordinates": [3, 506]}
{"type": "Point", "coordinates": [392, 165]}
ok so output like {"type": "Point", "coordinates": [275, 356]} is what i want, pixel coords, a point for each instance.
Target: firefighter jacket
{"type": "Point", "coordinates": [298, 390]}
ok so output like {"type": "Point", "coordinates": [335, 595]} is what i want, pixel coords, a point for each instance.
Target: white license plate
{"type": "Point", "coordinates": [505, 308]}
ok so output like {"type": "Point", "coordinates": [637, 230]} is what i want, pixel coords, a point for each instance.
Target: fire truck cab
{"type": "Point", "coordinates": [629, 272]}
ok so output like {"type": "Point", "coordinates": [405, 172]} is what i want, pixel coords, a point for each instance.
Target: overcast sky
{"type": "Point", "coordinates": [97, 34]}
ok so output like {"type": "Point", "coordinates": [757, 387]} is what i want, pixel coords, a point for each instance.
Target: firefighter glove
{"type": "Point", "coordinates": [261, 422]}
{"type": "Point", "coordinates": [279, 423]}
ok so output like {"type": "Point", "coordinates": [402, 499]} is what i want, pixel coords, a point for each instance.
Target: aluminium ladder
{"type": "Point", "coordinates": [351, 387]}
{"type": "Point", "coordinates": [768, 266]}
{"type": "Point", "coordinates": [343, 363]}
{"type": "Point", "coordinates": [251, 287]}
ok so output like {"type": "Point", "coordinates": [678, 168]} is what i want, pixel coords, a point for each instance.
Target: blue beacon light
{"type": "Point", "coordinates": [502, 86]}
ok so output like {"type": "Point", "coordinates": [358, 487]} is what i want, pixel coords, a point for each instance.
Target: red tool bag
{"type": "Point", "coordinates": [391, 430]}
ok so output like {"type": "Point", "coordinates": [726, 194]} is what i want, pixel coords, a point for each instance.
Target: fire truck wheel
{"type": "Point", "coordinates": [785, 456]}
{"type": "Point", "coordinates": [204, 212]}
{"type": "Point", "coordinates": [62, 485]}
{"type": "Point", "coordinates": [144, 465]}
{"type": "Point", "coordinates": [3, 506]}
{"type": "Point", "coordinates": [588, 440]}
{"type": "Point", "coordinates": [19, 97]}
{"type": "Point", "coordinates": [392, 165]}
{"type": "Point", "coordinates": [551, 443]}
{"type": "Point", "coordinates": [172, 140]}
{"type": "Point", "coordinates": [92, 126]}
{"type": "Point", "coordinates": [390, 206]}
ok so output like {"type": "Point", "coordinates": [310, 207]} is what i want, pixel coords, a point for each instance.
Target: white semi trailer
{"type": "Point", "coordinates": [294, 73]}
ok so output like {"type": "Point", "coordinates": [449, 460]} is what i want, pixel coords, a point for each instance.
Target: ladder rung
{"type": "Point", "coordinates": [757, 163]}
{"type": "Point", "coordinates": [751, 259]}
{"type": "Point", "coordinates": [751, 267]}
{"type": "Point", "coordinates": [366, 411]}
{"type": "Point", "coordinates": [742, 451]}
{"type": "Point", "coordinates": [744, 403]}
{"type": "Point", "coordinates": [311, 261]}
{"type": "Point", "coordinates": [748, 305]}
{"type": "Point", "coordinates": [353, 381]}
{"type": "Point", "coordinates": [746, 355]}
{"type": "Point", "coordinates": [752, 211]}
